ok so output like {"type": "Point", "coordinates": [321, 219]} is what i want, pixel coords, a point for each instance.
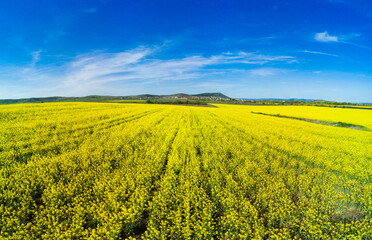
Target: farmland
{"type": "Point", "coordinates": [149, 171]}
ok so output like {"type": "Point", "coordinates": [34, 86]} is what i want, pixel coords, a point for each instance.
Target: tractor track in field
{"type": "Point", "coordinates": [255, 140]}
{"type": "Point", "coordinates": [155, 187]}
{"type": "Point", "coordinates": [24, 157]}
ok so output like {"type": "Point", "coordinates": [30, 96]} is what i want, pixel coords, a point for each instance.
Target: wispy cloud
{"type": "Point", "coordinates": [99, 72]}
{"type": "Point", "coordinates": [255, 39]}
{"type": "Point", "coordinates": [35, 57]}
{"type": "Point", "coordinates": [97, 69]}
{"type": "Point", "coordinates": [320, 53]}
{"type": "Point", "coordinates": [357, 45]}
{"type": "Point", "coordinates": [263, 72]}
{"type": "Point", "coordinates": [325, 37]}
{"type": "Point", "coordinates": [345, 39]}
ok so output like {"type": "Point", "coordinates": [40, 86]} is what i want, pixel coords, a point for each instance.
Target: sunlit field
{"type": "Point", "coordinates": [355, 116]}
{"type": "Point", "coordinates": [148, 171]}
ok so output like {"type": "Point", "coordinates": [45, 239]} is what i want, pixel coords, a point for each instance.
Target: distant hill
{"type": "Point", "coordinates": [185, 95]}
{"type": "Point", "coordinates": [105, 98]}
{"type": "Point", "coordinates": [185, 98]}
{"type": "Point", "coordinates": [281, 99]}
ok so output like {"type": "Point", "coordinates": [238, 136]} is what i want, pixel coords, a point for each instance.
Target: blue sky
{"type": "Point", "coordinates": [318, 49]}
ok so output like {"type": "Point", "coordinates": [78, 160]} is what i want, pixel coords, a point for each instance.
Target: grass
{"type": "Point", "coordinates": [328, 123]}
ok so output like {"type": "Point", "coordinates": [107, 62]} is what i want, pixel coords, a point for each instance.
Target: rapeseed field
{"type": "Point", "coordinates": [147, 171]}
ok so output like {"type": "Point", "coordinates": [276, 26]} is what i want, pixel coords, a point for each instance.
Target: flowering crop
{"type": "Point", "coordinates": [127, 171]}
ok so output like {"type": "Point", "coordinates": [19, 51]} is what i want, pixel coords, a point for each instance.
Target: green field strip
{"type": "Point", "coordinates": [328, 123]}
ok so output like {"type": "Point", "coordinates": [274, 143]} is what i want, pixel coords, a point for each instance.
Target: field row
{"type": "Point", "coordinates": [116, 171]}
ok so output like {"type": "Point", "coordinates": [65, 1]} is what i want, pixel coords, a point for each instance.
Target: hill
{"type": "Point", "coordinates": [211, 96]}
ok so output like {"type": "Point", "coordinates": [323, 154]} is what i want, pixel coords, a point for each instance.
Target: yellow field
{"type": "Point", "coordinates": [116, 171]}
{"type": "Point", "coordinates": [361, 117]}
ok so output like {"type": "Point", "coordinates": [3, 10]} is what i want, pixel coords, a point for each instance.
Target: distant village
{"type": "Point", "coordinates": [198, 98]}
{"type": "Point", "coordinates": [183, 97]}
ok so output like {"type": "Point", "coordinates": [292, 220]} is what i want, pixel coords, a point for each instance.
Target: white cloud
{"type": "Point", "coordinates": [264, 72]}
{"type": "Point", "coordinates": [104, 73]}
{"type": "Point", "coordinates": [320, 53]}
{"type": "Point", "coordinates": [97, 69]}
{"type": "Point", "coordinates": [325, 37]}
{"type": "Point", "coordinates": [344, 39]}
{"type": "Point", "coordinates": [35, 57]}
